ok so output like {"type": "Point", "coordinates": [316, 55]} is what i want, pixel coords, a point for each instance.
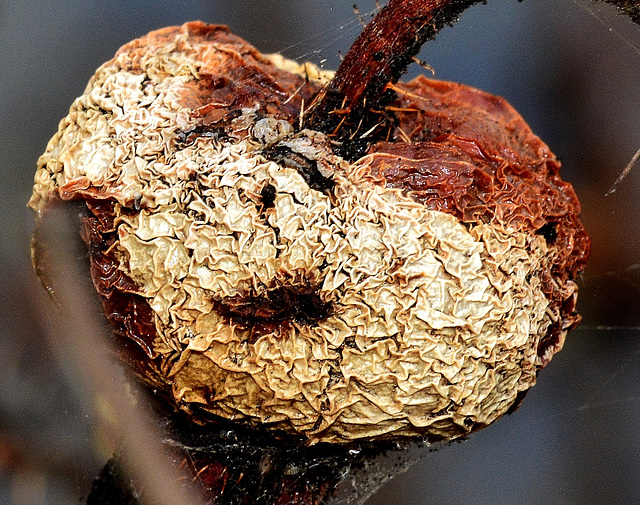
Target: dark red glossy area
{"type": "Point", "coordinates": [232, 76]}
{"type": "Point", "coordinates": [129, 313]}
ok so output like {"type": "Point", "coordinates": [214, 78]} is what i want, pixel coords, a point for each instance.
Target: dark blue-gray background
{"type": "Point", "coordinates": [569, 67]}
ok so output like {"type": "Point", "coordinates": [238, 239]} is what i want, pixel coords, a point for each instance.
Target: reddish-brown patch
{"type": "Point", "coordinates": [232, 75]}
{"type": "Point", "coordinates": [470, 154]}
{"type": "Point", "coordinates": [128, 312]}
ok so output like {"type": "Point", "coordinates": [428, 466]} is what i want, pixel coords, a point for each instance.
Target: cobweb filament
{"type": "Point", "coordinates": [326, 38]}
{"type": "Point", "coordinates": [592, 9]}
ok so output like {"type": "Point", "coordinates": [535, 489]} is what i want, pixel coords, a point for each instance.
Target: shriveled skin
{"type": "Point", "coordinates": [257, 276]}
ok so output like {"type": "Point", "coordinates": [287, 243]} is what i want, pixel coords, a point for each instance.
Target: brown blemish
{"type": "Point", "coordinates": [238, 77]}
{"type": "Point", "coordinates": [267, 196]}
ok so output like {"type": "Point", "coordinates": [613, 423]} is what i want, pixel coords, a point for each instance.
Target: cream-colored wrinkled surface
{"type": "Point", "coordinates": [432, 328]}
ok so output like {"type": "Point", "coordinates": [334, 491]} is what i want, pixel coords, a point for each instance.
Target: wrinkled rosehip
{"type": "Point", "coordinates": [255, 275]}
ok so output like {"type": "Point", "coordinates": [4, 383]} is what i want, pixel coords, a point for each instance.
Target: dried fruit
{"type": "Point", "coordinates": [254, 274]}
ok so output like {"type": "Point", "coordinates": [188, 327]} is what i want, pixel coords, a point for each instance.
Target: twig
{"type": "Point", "coordinates": [378, 57]}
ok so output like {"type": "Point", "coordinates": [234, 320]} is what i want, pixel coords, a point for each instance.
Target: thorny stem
{"type": "Point", "coordinates": [352, 106]}
{"type": "Point", "coordinates": [353, 102]}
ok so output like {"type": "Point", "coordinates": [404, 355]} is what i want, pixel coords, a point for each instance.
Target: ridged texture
{"type": "Point", "coordinates": [264, 279]}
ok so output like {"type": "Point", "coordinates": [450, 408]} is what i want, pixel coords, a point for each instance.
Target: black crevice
{"type": "Point", "coordinates": [549, 232]}
{"type": "Point", "coordinates": [205, 131]}
{"type": "Point", "coordinates": [301, 304]}
{"type": "Point", "coordinates": [267, 196]}
{"type": "Point", "coordinates": [306, 167]}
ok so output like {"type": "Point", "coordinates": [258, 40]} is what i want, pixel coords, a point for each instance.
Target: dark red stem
{"type": "Point", "coordinates": [352, 102]}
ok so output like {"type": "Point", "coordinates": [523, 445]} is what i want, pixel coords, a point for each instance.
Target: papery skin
{"type": "Point", "coordinates": [255, 275]}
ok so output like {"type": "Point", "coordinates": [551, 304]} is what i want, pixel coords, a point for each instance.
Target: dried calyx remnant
{"type": "Point", "coordinates": [253, 273]}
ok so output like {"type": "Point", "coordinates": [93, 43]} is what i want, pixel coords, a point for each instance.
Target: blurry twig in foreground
{"type": "Point", "coordinates": [80, 338]}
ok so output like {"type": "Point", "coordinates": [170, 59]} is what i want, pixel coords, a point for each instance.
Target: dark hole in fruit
{"type": "Point", "coordinates": [306, 167]}
{"type": "Point", "coordinates": [268, 196]}
{"type": "Point", "coordinates": [549, 232]}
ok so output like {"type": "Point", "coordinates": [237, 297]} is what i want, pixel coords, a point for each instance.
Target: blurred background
{"type": "Point", "coordinates": [572, 69]}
